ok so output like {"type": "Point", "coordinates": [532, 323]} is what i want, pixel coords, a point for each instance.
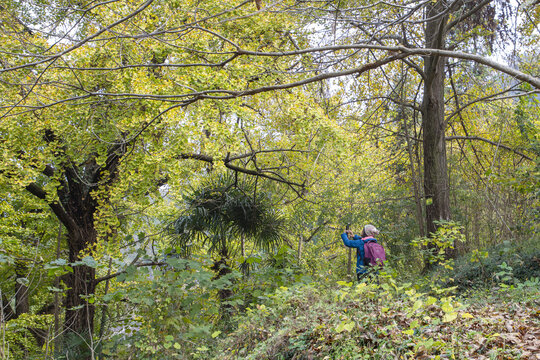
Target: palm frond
{"type": "Point", "coordinates": [220, 210]}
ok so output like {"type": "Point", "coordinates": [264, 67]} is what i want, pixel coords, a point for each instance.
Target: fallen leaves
{"type": "Point", "coordinates": [514, 331]}
{"type": "Point", "coordinates": [408, 326]}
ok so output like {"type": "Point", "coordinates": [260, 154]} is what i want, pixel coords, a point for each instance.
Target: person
{"type": "Point", "coordinates": [355, 241]}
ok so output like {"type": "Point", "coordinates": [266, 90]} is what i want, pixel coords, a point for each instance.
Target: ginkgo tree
{"type": "Point", "coordinates": [94, 144]}
{"type": "Point", "coordinates": [105, 103]}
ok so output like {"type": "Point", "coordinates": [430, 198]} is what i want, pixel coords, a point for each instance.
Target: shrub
{"type": "Point", "coordinates": [475, 270]}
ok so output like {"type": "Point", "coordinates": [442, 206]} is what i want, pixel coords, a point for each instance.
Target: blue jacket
{"type": "Point", "coordinates": [357, 243]}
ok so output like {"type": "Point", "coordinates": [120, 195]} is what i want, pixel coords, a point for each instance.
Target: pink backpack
{"type": "Point", "coordinates": [374, 254]}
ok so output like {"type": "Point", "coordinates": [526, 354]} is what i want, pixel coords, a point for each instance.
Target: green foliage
{"type": "Point", "coordinates": [167, 311]}
{"type": "Point", "coordinates": [18, 336]}
{"type": "Point", "coordinates": [110, 111]}
{"type": "Point", "coordinates": [267, 272]}
{"type": "Point", "coordinates": [175, 310]}
{"type": "Point", "coordinates": [222, 209]}
{"type": "Point", "coordinates": [436, 247]}
{"type": "Point", "coordinates": [510, 261]}
{"type": "Point", "coordinates": [368, 321]}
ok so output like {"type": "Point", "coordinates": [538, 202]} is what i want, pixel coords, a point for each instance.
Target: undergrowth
{"type": "Point", "coordinates": [387, 321]}
{"type": "Point", "coordinates": [506, 263]}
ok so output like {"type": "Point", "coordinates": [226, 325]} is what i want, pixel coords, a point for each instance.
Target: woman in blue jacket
{"type": "Point", "coordinates": [357, 242]}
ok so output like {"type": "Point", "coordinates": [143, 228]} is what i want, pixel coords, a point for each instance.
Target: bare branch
{"type": "Point", "coordinates": [492, 97]}
{"type": "Point", "coordinates": [112, 276]}
{"type": "Point", "coordinates": [489, 142]}
{"type": "Point", "coordinates": [227, 162]}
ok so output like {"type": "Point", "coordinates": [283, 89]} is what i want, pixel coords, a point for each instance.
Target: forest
{"type": "Point", "coordinates": [182, 179]}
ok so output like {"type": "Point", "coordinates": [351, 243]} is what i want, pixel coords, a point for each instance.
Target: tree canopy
{"type": "Point", "coordinates": [117, 117]}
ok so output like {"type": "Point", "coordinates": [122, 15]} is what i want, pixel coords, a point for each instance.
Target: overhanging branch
{"type": "Point", "coordinates": [112, 276]}
{"type": "Point", "coordinates": [489, 142]}
{"type": "Point", "coordinates": [227, 161]}
{"type": "Point", "coordinates": [396, 53]}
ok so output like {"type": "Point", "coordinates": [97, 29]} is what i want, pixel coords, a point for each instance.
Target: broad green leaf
{"type": "Point", "coordinates": [450, 316]}
{"type": "Point", "coordinates": [417, 305]}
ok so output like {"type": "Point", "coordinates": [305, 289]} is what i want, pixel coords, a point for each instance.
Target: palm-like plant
{"type": "Point", "coordinates": [221, 211]}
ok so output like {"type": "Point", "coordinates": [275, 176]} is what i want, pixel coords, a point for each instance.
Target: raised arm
{"type": "Point", "coordinates": [355, 243]}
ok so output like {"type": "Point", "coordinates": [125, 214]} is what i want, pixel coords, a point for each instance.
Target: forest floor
{"type": "Point", "coordinates": [389, 321]}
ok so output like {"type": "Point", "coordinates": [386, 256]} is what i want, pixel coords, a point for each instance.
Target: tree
{"type": "Point", "coordinates": [78, 150]}
{"type": "Point", "coordinates": [221, 210]}
{"type": "Point", "coordinates": [103, 102]}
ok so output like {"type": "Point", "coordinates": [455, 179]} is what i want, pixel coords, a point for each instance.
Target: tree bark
{"type": "Point", "coordinates": [79, 313]}
{"type": "Point", "coordinates": [56, 334]}
{"type": "Point", "coordinates": [435, 163]}
{"type": "Point", "coordinates": [75, 209]}
{"type": "Point", "coordinates": [221, 268]}
{"type": "Point", "coordinates": [436, 189]}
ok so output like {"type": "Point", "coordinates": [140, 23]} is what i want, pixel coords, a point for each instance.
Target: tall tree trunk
{"type": "Point", "coordinates": [75, 207]}
{"type": "Point", "coordinates": [79, 312]}
{"type": "Point", "coordinates": [80, 205]}
{"type": "Point", "coordinates": [56, 334]}
{"type": "Point", "coordinates": [435, 165]}
{"type": "Point", "coordinates": [221, 268]}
